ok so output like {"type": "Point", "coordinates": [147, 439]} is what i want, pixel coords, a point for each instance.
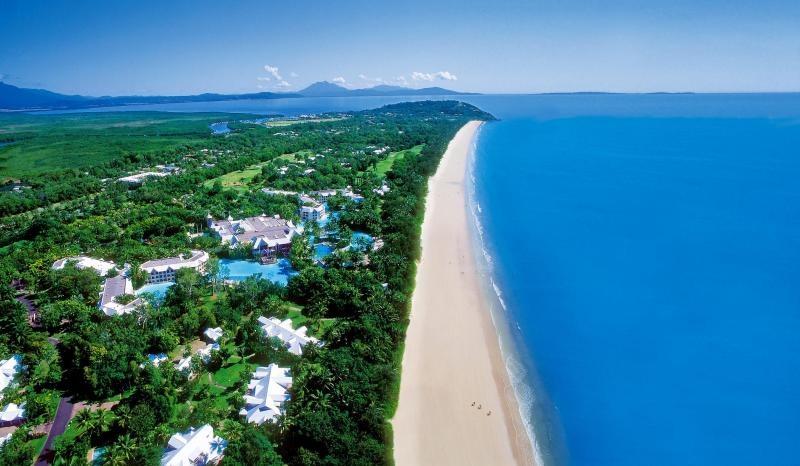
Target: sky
{"type": "Point", "coordinates": [184, 47]}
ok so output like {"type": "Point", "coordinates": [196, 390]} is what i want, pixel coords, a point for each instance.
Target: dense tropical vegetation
{"type": "Point", "coordinates": [343, 392]}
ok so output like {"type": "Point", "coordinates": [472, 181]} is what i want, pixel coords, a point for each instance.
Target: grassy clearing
{"type": "Point", "coordinates": [295, 314]}
{"type": "Point", "coordinates": [385, 165]}
{"type": "Point", "coordinates": [238, 180]}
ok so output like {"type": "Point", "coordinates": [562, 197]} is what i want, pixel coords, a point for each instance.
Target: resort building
{"type": "Point", "coordinates": [112, 288]}
{"type": "Point", "coordinates": [277, 192]}
{"type": "Point", "coordinates": [294, 340]}
{"type": "Point", "coordinates": [266, 394]}
{"type": "Point", "coordinates": [311, 209]}
{"type": "Point", "coordinates": [12, 415]}
{"type": "Point", "coordinates": [83, 262]}
{"type": "Point", "coordinates": [325, 194]}
{"type": "Point", "coordinates": [212, 335]}
{"type": "Point", "coordinates": [196, 447]}
{"type": "Point", "coordinates": [164, 270]}
{"type": "Point", "coordinates": [267, 236]}
{"type": "Point", "coordinates": [8, 370]}
{"type": "Point", "coordinates": [140, 177]}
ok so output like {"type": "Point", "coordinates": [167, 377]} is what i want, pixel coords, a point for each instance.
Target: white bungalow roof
{"type": "Point", "coordinates": [84, 262]}
{"type": "Point", "coordinates": [8, 369]}
{"type": "Point", "coordinates": [213, 334]}
{"type": "Point", "coordinates": [283, 330]}
{"type": "Point", "coordinates": [266, 394]}
{"type": "Point", "coordinates": [12, 412]}
{"type": "Point", "coordinates": [197, 446]}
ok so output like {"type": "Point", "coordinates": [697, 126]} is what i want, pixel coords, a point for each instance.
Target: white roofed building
{"type": "Point", "coordinates": [113, 287]}
{"type": "Point", "coordinates": [164, 270]}
{"type": "Point", "coordinates": [12, 415]}
{"type": "Point", "coordinates": [266, 394]}
{"type": "Point", "coordinates": [294, 340]}
{"type": "Point", "coordinates": [213, 334]}
{"type": "Point", "coordinates": [197, 447]}
{"type": "Point", "coordinates": [8, 370]}
{"type": "Point", "coordinates": [311, 209]}
{"type": "Point", "coordinates": [83, 262]}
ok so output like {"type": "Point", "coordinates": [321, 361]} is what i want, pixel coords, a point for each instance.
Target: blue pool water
{"type": "Point", "coordinates": [361, 240]}
{"type": "Point", "coordinates": [649, 261]}
{"type": "Point", "coordinates": [322, 250]}
{"type": "Point", "coordinates": [158, 290]}
{"type": "Point", "coordinates": [239, 269]}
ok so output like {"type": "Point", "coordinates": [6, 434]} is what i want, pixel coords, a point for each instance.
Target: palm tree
{"type": "Point", "coordinates": [122, 453]}
{"type": "Point", "coordinates": [85, 420]}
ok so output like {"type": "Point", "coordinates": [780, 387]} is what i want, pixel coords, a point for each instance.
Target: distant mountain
{"type": "Point", "coordinates": [329, 89]}
{"type": "Point", "coordinates": [14, 98]}
{"type": "Point", "coordinates": [18, 98]}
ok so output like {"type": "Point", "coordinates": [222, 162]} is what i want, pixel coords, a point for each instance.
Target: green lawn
{"type": "Point", "coordinates": [385, 165]}
{"type": "Point", "coordinates": [228, 375]}
{"type": "Point", "coordinates": [46, 142]}
{"type": "Point", "coordinates": [237, 180]}
{"type": "Point", "coordinates": [298, 319]}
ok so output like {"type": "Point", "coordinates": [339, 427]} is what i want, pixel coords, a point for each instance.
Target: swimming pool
{"type": "Point", "coordinates": [240, 269]}
{"type": "Point", "coordinates": [159, 290]}
{"type": "Point", "coordinates": [322, 250]}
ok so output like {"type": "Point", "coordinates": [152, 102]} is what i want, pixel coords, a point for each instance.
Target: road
{"type": "Point", "coordinates": [63, 416]}
{"type": "Point", "coordinates": [65, 405]}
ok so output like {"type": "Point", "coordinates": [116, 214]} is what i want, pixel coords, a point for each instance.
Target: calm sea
{"type": "Point", "coordinates": [648, 251]}
{"type": "Point", "coordinates": [647, 248]}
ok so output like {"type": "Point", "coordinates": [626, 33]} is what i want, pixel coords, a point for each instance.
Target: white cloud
{"type": "Point", "coordinates": [366, 78]}
{"type": "Point", "coordinates": [440, 75]}
{"type": "Point", "coordinates": [294, 75]}
{"type": "Point", "coordinates": [274, 76]}
{"type": "Point", "coordinates": [273, 70]}
{"type": "Point", "coordinates": [339, 80]}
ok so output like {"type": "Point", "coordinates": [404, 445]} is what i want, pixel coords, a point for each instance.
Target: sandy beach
{"type": "Point", "coordinates": [452, 356]}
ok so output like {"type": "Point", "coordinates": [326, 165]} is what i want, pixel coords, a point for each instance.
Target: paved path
{"type": "Point", "coordinates": [65, 407]}
{"type": "Point", "coordinates": [63, 416]}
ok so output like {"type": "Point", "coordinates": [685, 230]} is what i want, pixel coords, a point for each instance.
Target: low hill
{"type": "Point", "coordinates": [13, 98]}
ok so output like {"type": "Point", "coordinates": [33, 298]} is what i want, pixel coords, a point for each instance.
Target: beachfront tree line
{"type": "Point", "coordinates": [343, 393]}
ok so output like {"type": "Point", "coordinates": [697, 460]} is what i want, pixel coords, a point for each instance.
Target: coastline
{"type": "Point", "coordinates": [453, 351]}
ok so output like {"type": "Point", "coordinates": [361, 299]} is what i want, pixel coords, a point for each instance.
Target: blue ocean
{"type": "Point", "coordinates": [649, 259]}
{"type": "Point", "coordinates": [647, 250]}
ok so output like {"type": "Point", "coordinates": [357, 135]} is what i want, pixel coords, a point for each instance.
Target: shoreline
{"type": "Point", "coordinates": [453, 351]}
